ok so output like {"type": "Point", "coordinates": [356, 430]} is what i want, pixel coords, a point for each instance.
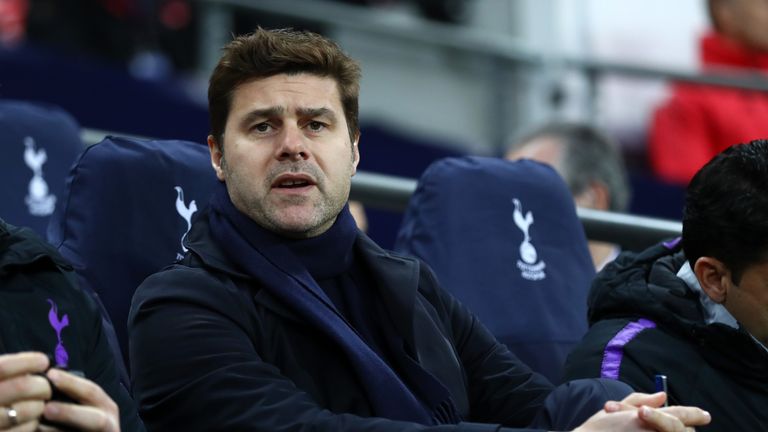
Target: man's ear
{"type": "Point", "coordinates": [216, 155]}
{"type": "Point", "coordinates": [714, 278]}
{"type": "Point", "coordinates": [355, 153]}
{"type": "Point", "coordinates": [595, 196]}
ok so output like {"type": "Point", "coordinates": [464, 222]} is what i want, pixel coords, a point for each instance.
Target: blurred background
{"type": "Point", "coordinates": [440, 77]}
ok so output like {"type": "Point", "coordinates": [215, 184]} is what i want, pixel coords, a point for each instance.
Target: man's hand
{"type": "Point", "coordinates": [96, 411]}
{"type": "Point", "coordinates": [22, 394]}
{"type": "Point", "coordinates": [644, 412]}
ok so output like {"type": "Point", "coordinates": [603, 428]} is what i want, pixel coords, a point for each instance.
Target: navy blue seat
{"type": "Point", "coordinates": [503, 237]}
{"type": "Point", "coordinates": [129, 203]}
{"type": "Point", "coordinates": [39, 142]}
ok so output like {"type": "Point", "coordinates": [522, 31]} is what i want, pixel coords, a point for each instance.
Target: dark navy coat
{"type": "Point", "coordinates": [212, 351]}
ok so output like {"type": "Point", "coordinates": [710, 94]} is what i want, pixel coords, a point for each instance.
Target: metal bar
{"type": "Point", "coordinates": [734, 78]}
{"type": "Point", "coordinates": [382, 191]}
{"type": "Point", "coordinates": [629, 231]}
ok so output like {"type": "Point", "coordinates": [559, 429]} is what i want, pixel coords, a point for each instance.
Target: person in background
{"type": "Point", "coordinates": [284, 316]}
{"type": "Point", "coordinates": [699, 121]}
{"type": "Point", "coordinates": [694, 310]}
{"type": "Point", "coordinates": [591, 165]}
{"type": "Point", "coordinates": [56, 367]}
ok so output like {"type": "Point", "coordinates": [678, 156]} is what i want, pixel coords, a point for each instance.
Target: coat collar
{"type": "Point", "coordinates": [397, 281]}
{"type": "Point", "coordinates": [397, 277]}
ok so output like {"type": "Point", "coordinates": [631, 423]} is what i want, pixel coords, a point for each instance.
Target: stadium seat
{"type": "Point", "coordinates": [39, 143]}
{"type": "Point", "coordinates": [503, 237]}
{"type": "Point", "coordinates": [129, 204]}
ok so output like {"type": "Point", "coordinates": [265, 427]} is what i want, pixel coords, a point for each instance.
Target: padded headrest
{"type": "Point", "coordinates": [505, 239]}
{"type": "Point", "coordinates": [129, 203]}
{"type": "Point", "coordinates": [39, 143]}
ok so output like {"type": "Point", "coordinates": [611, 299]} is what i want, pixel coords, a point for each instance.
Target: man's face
{"type": "Point", "coordinates": [748, 302]}
{"type": "Point", "coordinates": [748, 22]}
{"type": "Point", "coordinates": [288, 161]}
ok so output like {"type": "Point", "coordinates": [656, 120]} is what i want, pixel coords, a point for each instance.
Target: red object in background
{"type": "Point", "coordinates": [699, 121]}
{"type": "Point", "coordinates": [120, 8]}
{"type": "Point", "coordinates": [175, 14]}
{"type": "Point", "coordinates": [13, 21]}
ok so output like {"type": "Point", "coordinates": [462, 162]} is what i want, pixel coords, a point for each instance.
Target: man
{"type": "Point", "coordinates": [699, 121]}
{"type": "Point", "coordinates": [48, 327]}
{"type": "Point", "coordinates": [695, 311]}
{"type": "Point", "coordinates": [591, 165]}
{"type": "Point", "coordinates": [284, 316]}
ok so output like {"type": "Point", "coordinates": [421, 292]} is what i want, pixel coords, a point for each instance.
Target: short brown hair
{"type": "Point", "coordinates": [265, 53]}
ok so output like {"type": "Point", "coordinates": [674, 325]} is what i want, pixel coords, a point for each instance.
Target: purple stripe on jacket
{"type": "Point", "coordinates": [614, 350]}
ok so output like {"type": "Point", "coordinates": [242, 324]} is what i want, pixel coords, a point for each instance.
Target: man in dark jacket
{"type": "Point", "coordinates": [283, 316]}
{"type": "Point", "coordinates": [48, 324]}
{"type": "Point", "coordinates": [696, 310]}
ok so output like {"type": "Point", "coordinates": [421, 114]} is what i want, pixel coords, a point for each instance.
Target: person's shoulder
{"type": "Point", "coordinates": [20, 246]}
{"type": "Point", "coordinates": [632, 349]}
{"type": "Point", "coordinates": [640, 339]}
{"type": "Point", "coordinates": [182, 283]}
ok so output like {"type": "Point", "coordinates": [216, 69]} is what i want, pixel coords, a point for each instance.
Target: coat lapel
{"type": "Point", "coordinates": [398, 282]}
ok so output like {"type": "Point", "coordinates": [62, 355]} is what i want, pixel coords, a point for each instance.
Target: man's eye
{"type": "Point", "coordinates": [261, 127]}
{"type": "Point", "coordinates": [315, 126]}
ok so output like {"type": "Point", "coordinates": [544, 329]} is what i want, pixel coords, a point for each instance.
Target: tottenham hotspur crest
{"type": "Point", "coordinates": [185, 212]}
{"type": "Point", "coordinates": [530, 266]}
{"type": "Point", "coordinates": [39, 201]}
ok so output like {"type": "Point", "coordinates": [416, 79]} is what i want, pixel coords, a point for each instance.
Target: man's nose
{"type": "Point", "coordinates": [292, 145]}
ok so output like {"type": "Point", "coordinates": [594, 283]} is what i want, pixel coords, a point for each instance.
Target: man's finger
{"type": "Point", "coordinates": [690, 416]}
{"type": "Point", "coordinates": [660, 421]}
{"type": "Point", "coordinates": [24, 387]}
{"type": "Point", "coordinates": [30, 426]}
{"type": "Point", "coordinates": [25, 411]}
{"type": "Point", "coordinates": [654, 400]}
{"type": "Point", "coordinates": [12, 365]}
{"type": "Point", "coordinates": [82, 390]}
{"type": "Point", "coordinates": [81, 417]}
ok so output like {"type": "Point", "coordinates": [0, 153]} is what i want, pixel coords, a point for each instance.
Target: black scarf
{"type": "Point", "coordinates": [265, 257]}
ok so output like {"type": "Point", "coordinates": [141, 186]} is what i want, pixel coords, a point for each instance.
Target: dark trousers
{"type": "Point", "coordinates": [572, 403]}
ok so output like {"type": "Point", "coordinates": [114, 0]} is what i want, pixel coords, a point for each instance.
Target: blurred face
{"type": "Point", "coordinates": [287, 158]}
{"type": "Point", "coordinates": [747, 21]}
{"type": "Point", "coordinates": [748, 302]}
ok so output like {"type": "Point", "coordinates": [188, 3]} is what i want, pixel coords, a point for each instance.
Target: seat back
{"type": "Point", "coordinates": [129, 203]}
{"type": "Point", "coordinates": [504, 238]}
{"type": "Point", "coordinates": [39, 143]}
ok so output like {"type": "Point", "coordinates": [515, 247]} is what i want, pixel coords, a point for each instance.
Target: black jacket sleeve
{"type": "Point", "coordinates": [195, 367]}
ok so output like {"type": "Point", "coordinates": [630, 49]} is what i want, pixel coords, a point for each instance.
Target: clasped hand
{"type": "Point", "coordinates": [25, 397]}
{"type": "Point", "coordinates": [645, 412]}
